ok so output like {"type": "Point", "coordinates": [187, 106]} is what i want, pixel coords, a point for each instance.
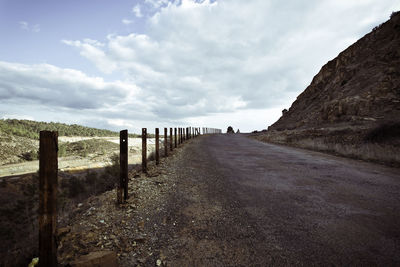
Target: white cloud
{"type": "Point", "coordinates": [137, 11]}
{"type": "Point", "coordinates": [91, 50]}
{"type": "Point", "coordinates": [36, 28]}
{"type": "Point", "coordinates": [24, 25]}
{"type": "Point", "coordinates": [127, 21]}
{"type": "Point", "coordinates": [157, 3]}
{"type": "Point", "coordinates": [64, 88]}
{"type": "Point", "coordinates": [222, 61]}
{"type": "Point", "coordinates": [27, 27]}
{"type": "Point", "coordinates": [17, 116]}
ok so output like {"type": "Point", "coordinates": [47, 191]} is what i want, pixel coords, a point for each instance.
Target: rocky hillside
{"type": "Point", "coordinates": [353, 102]}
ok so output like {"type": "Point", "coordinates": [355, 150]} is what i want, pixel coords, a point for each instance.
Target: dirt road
{"type": "Point", "coordinates": [240, 202]}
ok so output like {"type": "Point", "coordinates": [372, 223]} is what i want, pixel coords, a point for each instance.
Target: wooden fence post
{"type": "Point", "coordinates": [48, 165]}
{"type": "Point", "coordinates": [144, 150]}
{"type": "Point", "coordinates": [165, 142]}
{"type": "Point", "coordinates": [179, 136]}
{"type": "Point", "coordinates": [175, 138]}
{"type": "Point", "coordinates": [123, 166]}
{"type": "Point", "coordinates": [170, 139]}
{"type": "Point", "coordinates": [157, 146]}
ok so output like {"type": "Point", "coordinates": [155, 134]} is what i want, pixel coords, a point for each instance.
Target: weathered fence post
{"type": "Point", "coordinates": [144, 150]}
{"type": "Point", "coordinates": [48, 165]}
{"type": "Point", "coordinates": [179, 136]}
{"type": "Point", "coordinates": [170, 139]}
{"type": "Point", "coordinates": [165, 142]}
{"type": "Point", "coordinates": [182, 140]}
{"type": "Point", "coordinates": [157, 146]}
{"type": "Point", "coordinates": [175, 138]}
{"type": "Point", "coordinates": [123, 166]}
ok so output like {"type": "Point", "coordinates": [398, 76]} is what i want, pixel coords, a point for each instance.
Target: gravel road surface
{"type": "Point", "coordinates": [240, 202]}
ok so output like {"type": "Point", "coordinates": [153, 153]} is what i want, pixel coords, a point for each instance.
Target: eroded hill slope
{"type": "Point", "coordinates": [352, 106]}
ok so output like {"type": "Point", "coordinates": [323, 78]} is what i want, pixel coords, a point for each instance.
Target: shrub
{"type": "Point", "coordinates": [62, 150]}
{"type": "Point", "coordinates": [31, 155]}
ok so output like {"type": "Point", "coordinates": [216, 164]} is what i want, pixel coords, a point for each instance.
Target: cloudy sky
{"type": "Point", "coordinates": [158, 63]}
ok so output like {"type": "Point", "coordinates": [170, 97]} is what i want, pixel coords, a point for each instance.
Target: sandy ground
{"type": "Point", "coordinates": [74, 163]}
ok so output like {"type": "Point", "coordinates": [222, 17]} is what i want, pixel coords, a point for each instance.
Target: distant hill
{"type": "Point", "coordinates": [31, 129]}
{"type": "Point", "coordinates": [352, 106]}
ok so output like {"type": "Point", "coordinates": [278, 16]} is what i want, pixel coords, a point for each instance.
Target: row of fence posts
{"type": "Point", "coordinates": [211, 131]}
{"type": "Point", "coordinates": [48, 178]}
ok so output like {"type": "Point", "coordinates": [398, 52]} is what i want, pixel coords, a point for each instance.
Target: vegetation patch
{"type": "Point", "coordinates": [85, 147]}
{"type": "Point", "coordinates": [31, 129]}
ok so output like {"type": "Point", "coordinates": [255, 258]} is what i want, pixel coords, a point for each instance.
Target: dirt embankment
{"type": "Point", "coordinates": [378, 144]}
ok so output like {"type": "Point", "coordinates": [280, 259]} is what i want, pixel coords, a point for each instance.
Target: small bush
{"type": "Point", "coordinates": [31, 155]}
{"type": "Point", "coordinates": [62, 150]}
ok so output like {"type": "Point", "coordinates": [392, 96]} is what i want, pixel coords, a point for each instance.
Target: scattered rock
{"type": "Point", "coordinates": [140, 238]}
{"type": "Point", "coordinates": [61, 232]}
{"type": "Point", "coordinates": [97, 259]}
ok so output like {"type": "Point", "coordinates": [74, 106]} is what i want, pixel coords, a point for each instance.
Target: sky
{"type": "Point", "coordinates": [129, 64]}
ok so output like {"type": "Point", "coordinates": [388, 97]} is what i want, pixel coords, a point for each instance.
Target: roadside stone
{"type": "Point", "coordinates": [97, 259]}
{"type": "Point", "coordinates": [61, 232]}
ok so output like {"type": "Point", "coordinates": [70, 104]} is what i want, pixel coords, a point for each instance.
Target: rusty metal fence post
{"type": "Point", "coordinates": [165, 142]}
{"type": "Point", "coordinates": [144, 150]}
{"type": "Point", "coordinates": [157, 146]}
{"type": "Point", "coordinates": [48, 166]}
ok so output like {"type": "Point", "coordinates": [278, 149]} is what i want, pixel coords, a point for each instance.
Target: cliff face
{"type": "Point", "coordinates": [352, 106]}
{"type": "Point", "coordinates": [361, 86]}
